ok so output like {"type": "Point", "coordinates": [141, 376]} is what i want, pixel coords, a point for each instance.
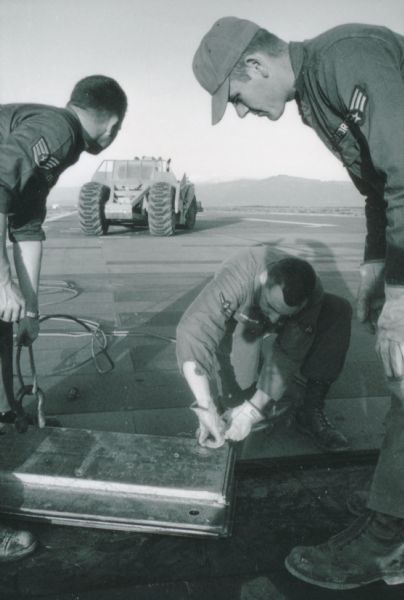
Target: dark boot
{"type": "Point", "coordinates": [371, 549]}
{"type": "Point", "coordinates": [311, 419]}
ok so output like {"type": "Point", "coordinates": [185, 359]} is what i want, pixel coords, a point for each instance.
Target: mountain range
{"type": "Point", "coordinates": [281, 191]}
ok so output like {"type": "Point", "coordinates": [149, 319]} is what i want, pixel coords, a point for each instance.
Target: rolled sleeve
{"type": "Point", "coordinates": [31, 231]}
{"type": "Point", "coordinates": [28, 214]}
{"type": "Point", "coordinates": [37, 144]}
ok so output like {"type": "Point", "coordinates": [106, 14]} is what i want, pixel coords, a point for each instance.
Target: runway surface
{"type": "Point", "coordinates": [136, 288]}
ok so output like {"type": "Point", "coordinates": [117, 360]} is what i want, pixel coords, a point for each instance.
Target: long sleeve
{"type": "Point", "coordinates": [373, 67]}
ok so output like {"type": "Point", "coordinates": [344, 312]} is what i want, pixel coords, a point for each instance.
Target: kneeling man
{"type": "Point", "coordinates": [265, 331]}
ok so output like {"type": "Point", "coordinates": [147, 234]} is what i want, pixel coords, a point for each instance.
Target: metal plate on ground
{"type": "Point", "coordinates": [117, 481]}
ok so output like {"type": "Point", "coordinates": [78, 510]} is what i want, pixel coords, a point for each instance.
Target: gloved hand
{"type": "Point", "coordinates": [390, 332]}
{"type": "Point", "coordinates": [211, 425]}
{"type": "Point", "coordinates": [241, 420]}
{"type": "Point", "coordinates": [28, 330]}
{"type": "Point", "coordinates": [370, 292]}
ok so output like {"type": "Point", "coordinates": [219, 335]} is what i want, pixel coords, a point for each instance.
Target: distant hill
{"type": "Point", "coordinates": [281, 191]}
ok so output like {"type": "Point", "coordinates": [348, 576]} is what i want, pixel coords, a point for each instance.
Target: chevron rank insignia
{"type": "Point", "coordinates": [42, 155]}
{"type": "Point", "coordinates": [357, 105]}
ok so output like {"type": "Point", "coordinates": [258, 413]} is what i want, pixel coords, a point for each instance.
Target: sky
{"type": "Point", "coordinates": [148, 45]}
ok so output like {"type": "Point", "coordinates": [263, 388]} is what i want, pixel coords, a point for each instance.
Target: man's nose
{"type": "Point", "coordinates": [241, 110]}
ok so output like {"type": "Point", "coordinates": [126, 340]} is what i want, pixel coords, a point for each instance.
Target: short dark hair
{"type": "Point", "coordinates": [296, 277]}
{"type": "Point", "coordinates": [264, 41]}
{"type": "Point", "coordinates": [101, 93]}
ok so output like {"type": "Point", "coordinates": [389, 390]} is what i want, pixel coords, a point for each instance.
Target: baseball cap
{"type": "Point", "coordinates": [217, 55]}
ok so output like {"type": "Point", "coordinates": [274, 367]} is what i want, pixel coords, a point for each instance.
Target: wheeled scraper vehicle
{"type": "Point", "coordinates": [141, 191]}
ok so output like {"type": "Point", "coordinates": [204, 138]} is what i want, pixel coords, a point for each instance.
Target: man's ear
{"type": "Point", "coordinates": [258, 64]}
{"type": "Point", "coordinates": [263, 277]}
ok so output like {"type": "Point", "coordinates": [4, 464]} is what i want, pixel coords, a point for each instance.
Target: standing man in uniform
{"type": "Point", "coordinates": [349, 86]}
{"type": "Point", "coordinates": [38, 143]}
{"type": "Point", "coordinates": [262, 292]}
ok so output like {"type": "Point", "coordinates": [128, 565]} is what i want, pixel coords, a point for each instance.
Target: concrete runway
{"type": "Point", "coordinates": [137, 286]}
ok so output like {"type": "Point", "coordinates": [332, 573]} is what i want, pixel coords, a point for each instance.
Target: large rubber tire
{"type": "Point", "coordinates": [190, 217]}
{"type": "Point", "coordinates": [92, 200]}
{"type": "Point", "coordinates": [161, 215]}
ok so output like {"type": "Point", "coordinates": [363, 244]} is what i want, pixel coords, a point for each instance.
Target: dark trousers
{"type": "Point", "coordinates": [6, 360]}
{"type": "Point", "coordinates": [387, 491]}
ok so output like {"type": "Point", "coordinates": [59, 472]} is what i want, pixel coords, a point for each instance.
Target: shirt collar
{"type": "Point", "coordinates": [297, 56]}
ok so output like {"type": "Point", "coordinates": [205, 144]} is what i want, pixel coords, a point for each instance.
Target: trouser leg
{"type": "Point", "coordinates": [325, 359]}
{"type": "Point", "coordinates": [6, 366]}
{"type": "Point", "coordinates": [319, 356]}
{"type": "Point", "coordinates": [387, 490]}
{"type": "Point", "coordinates": [321, 367]}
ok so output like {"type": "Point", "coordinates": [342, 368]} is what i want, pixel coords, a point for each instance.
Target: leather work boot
{"type": "Point", "coordinates": [15, 544]}
{"type": "Point", "coordinates": [370, 549]}
{"type": "Point", "coordinates": [275, 413]}
{"type": "Point", "coordinates": [312, 421]}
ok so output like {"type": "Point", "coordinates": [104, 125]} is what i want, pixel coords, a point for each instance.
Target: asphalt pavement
{"type": "Point", "coordinates": [132, 289]}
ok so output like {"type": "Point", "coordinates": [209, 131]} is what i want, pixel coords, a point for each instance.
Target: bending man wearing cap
{"type": "Point", "coordinates": [349, 86]}
{"type": "Point", "coordinates": [265, 332]}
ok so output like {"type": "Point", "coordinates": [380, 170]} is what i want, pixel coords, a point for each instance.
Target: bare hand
{"type": "Point", "coordinates": [210, 432]}
{"type": "Point", "coordinates": [392, 356]}
{"type": "Point", "coordinates": [12, 303]}
{"type": "Point", "coordinates": [390, 332]}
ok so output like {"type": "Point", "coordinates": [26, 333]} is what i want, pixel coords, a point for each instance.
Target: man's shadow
{"type": "Point", "coordinates": [362, 376]}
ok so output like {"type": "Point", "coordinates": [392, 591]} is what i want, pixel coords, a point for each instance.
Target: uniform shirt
{"type": "Point", "coordinates": [204, 324]}
{"type": "Point", "coordinates": [350, 89]}
{"type": "Point", "coordinates": [37, 143]}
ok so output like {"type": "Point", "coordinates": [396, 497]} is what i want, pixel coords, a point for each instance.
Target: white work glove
{"type": "Point", "coordinates": [210, 432]}
{"type": "Point", "coordinates": [390, 332]}
{"type": "Point", "coordinates": [241, 420]}
{"type": "Point", "coordinates": [370, 295]}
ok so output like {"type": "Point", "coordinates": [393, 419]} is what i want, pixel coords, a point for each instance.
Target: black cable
{"type": "Point", "coordinates": [97, 334]}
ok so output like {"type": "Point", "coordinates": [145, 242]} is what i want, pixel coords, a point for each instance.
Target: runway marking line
{"type": "Point", "coordinates": [305, 223]}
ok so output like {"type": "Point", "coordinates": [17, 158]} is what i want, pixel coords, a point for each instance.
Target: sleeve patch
{"type": "Point", "coordinates": [357, 105]}
{"type": "Point", "coordinates": [42, 156]}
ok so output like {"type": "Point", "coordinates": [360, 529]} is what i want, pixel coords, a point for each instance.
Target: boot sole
{"type": "Point", "coordinates": [388, 579]}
